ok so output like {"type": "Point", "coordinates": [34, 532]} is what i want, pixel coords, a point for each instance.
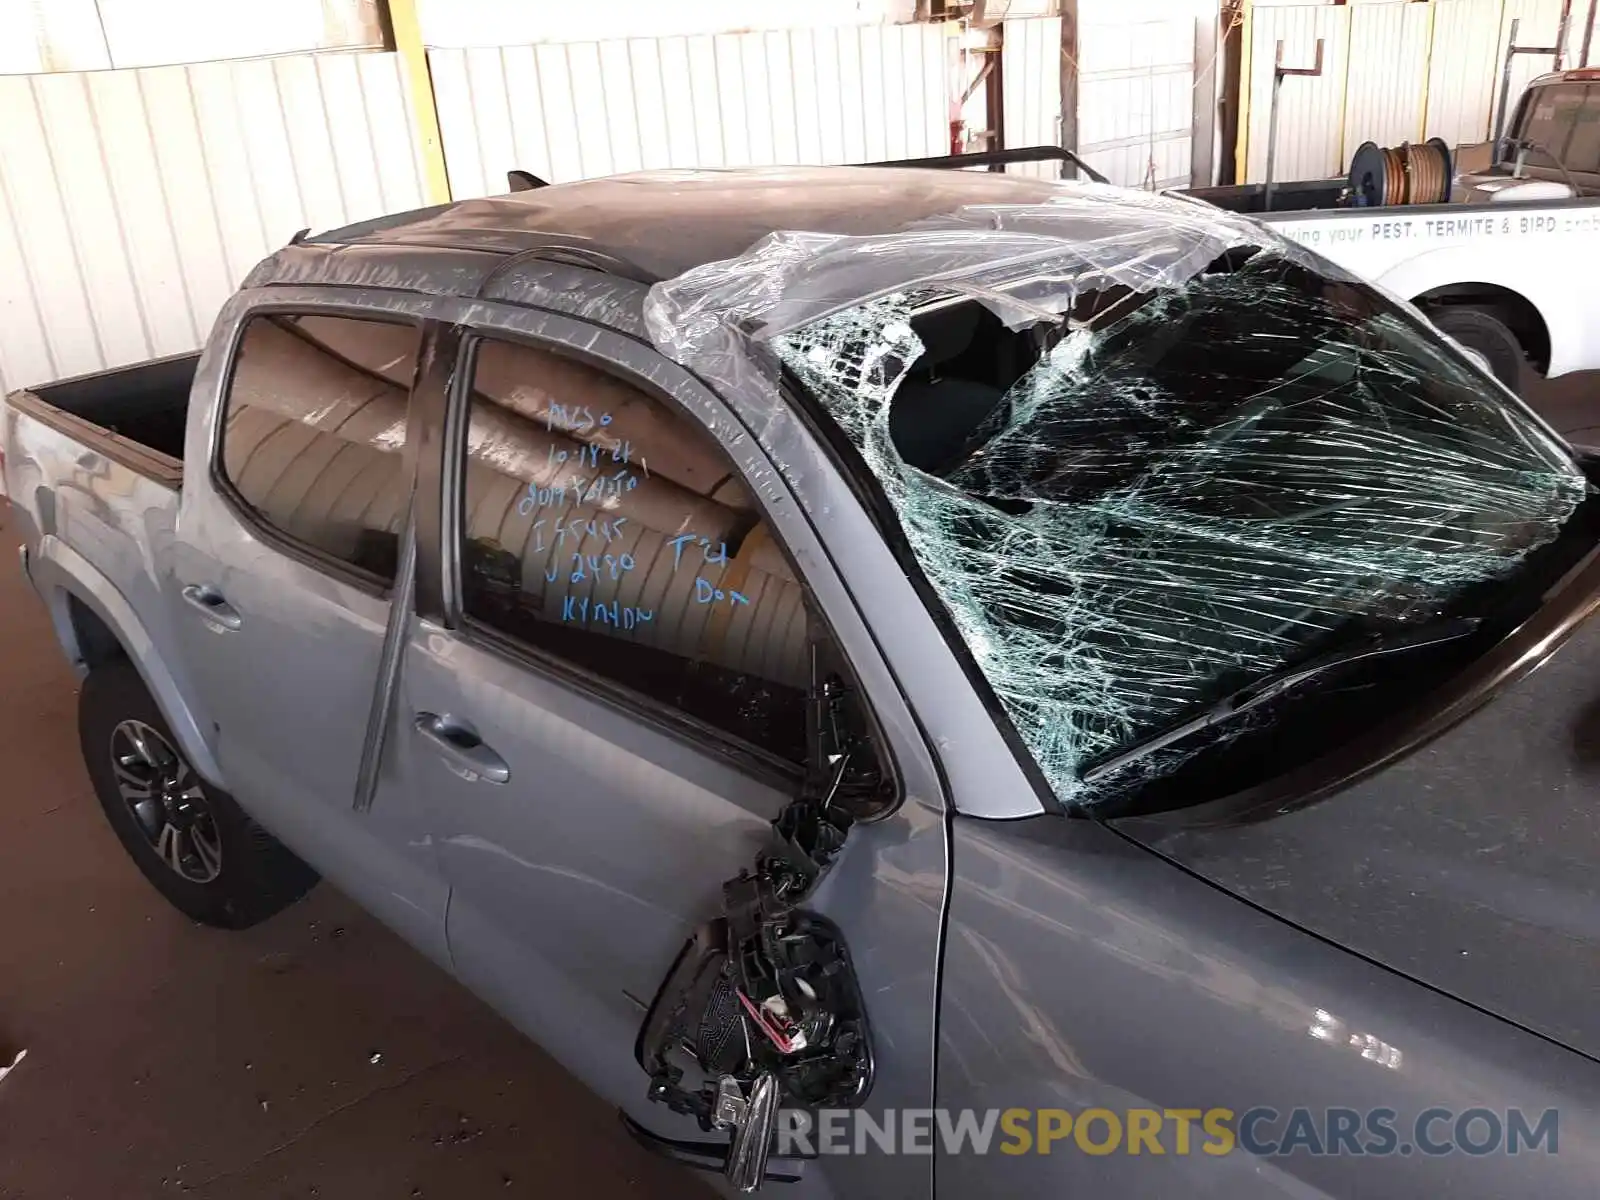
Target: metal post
{"type": "Point", "coordinates": [1505, 85]}
{"type": "Point", "coordinates": [1241, 140]}
{"type": "Point", "coordinates": [1512, 50]}
{"type": "Point", "coordinates": [1278, 72]}
{"type": "Point", "coordinates": [1069, 83]}
{"type": "Point", "coordinates": [1272, 130]}
{"type": "Point", "coordinates": [1203, 122]}
{"type": "Point", "coordinates": [1150, 145]}
{"type": "Point", "coordinates": [1348, 16]}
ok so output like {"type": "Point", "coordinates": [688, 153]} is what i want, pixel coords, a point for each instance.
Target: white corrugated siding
{"type": "Point", "coordinates": [1309, 125]}
{"type": "Point", "coordinates": [503, 23]}
{"type": "Point", "coordinates": [97, 35]}
{"type": "Point", "coordinates": [1470, 39]}
{"type": "Point", "coordinates": [1384, 85]}
{"type": "Point", "coordinates": [1135, 90]}
{"type": "Point", "coordinates": [1136, 74]}
{"type": "Point", "coordinates": [1376, 57]}
{"type": "Point", "coordinates": [132, 202]}
{"type": "Point", "coordinates": [572, 110]}
{"type": "Point", "coordinates": [1030, 75]}
{"type": "Point", "coordinates": [1464, 77]}
{"type": "Point", "coordinates": [1541, 20]}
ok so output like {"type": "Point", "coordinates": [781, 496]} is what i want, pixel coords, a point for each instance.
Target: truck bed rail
{"type": "Point", "coordinates": [996, 158]}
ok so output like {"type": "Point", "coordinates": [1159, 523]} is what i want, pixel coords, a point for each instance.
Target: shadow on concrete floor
{"type": "Point", "coordinates": [1570, 403]}
{"type": "Point", "coordinates": [313, 1056]}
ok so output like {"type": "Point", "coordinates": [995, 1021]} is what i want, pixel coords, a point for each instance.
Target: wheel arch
{"type": "Point", "coordinates": [95, 624]}
{"type": "Point", "coordinates": [1466, 274]}
{"type": "Point", "coordinates": [1516, 311]}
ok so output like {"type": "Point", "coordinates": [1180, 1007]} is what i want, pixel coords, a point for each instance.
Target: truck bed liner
{"type": "Point", "coordinates": [133, 415]}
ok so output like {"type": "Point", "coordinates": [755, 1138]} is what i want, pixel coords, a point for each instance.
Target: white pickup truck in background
{"type": "Point", "coordinates": [1504, 280]}
{"type": "Point", "coordinates": [1501, 264]}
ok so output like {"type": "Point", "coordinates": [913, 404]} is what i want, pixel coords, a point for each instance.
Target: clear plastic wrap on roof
{"type": "Point", "coordinates": [1144, 451]}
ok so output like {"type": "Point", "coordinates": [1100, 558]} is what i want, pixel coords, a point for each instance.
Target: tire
{"type": "Point", "coordinates": [1482, 331]}
{"type": "Point", "coordinates": [193, 842]}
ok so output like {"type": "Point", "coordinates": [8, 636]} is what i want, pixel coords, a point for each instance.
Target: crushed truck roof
{"type": "Point", "coordinates": [595, 246]}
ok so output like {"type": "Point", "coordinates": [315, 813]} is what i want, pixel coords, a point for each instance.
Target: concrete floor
{"type": "Point", "coordinates": [315, 1055]}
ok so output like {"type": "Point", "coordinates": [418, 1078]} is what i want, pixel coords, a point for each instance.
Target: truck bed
{"type": "Point", "coordinates": [135, 416]}
{"type": "Point", "coordinates": [147, 404]}
{"type": "Point", "coordinates": [1301, 195]}
{"type": "Point", "coordinates": [93, 469]}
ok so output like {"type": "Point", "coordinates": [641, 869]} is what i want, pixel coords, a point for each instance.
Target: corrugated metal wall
{"type": "Point", "coordinates": [1136, 75]}
{"type": "Point", "coordinates": [1136, 78]}
{"type": "Point", "coordinates": [1030, 76]}
{"type": "Point", "coordinates": [569, 110]}
{"type": "Point", "coordinates": [1385, 75]}
{"type": "Point", "coordinates": [1465, 71]}
{"type": "Point", "coordinates": [1541, 21]}
{"type": "Point", "coordinates": [132, 202]}
{"type": "Point", "coordinates": [468, 23]}
{"type": "Point", "coordinates": [1375, 59]}
{"type": "Point", "coordinates": [1309, 108]}
{"type": "Point", "coordinates": [98, 35]}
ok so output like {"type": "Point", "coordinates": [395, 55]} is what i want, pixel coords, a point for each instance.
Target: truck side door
{"type": "Point", "coordinates": [294, 505]}
{"type": "Point", "coordinates": [606, 702]}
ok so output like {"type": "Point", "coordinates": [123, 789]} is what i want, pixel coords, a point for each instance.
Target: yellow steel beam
{"type": "Point", "coordinates": [1348, 16]}
{"type": "Point", "coordinates": [1427, 69]}
{"type": "Point", "coordinates": [404, 35]}
{"type": "Point", "coordinates": [1241, 140]}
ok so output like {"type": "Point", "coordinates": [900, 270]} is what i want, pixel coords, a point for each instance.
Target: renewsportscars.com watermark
{"type": "Point", "coordinates": [1265, 1132]}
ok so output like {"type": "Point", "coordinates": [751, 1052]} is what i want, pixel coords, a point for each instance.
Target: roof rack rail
{"type": "Point", "coordinates": [997, 158]}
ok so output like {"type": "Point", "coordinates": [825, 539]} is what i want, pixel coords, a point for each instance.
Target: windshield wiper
{"type": "Point", "coordinates": [1253, 695]}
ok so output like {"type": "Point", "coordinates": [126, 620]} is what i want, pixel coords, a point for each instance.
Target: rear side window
{"type": "Point", "coordinates": [314, 434]}
{"type": "Point", "coordinates": [1549, 118]}
{"type": "Point", "coordinates": [607, 530]}
{"type": "Point", "coordinates": [1583, 148]}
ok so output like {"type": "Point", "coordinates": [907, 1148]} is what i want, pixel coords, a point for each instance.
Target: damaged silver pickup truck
{"type": "Point", "coordinates": [909, 683]}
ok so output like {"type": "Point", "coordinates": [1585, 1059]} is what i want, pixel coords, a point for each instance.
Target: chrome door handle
{"type": "Point", "coordinates": [210, 602]}
{"type": "Point", "coordinates": [464, 751]}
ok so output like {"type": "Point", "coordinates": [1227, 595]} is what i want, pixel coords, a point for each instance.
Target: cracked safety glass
{"type": "Point", "coordinates": [1131, 512]}
{"type": "Point", "coordinates": [1149, 455]}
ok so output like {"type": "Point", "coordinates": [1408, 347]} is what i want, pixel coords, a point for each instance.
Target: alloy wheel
{"type": "Point", "coordinates": [164, 795]}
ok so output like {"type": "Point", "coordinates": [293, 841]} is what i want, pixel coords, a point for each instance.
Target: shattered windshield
{"type": "Point", "coordinates": [1129, 512]}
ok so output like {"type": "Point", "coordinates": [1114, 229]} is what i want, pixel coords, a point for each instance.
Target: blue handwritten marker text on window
{"type": "Point", "coordinates": [712, 553]}
{"type": "Point", "coordinates": [574, 418]}
{"type": "Point", "coordinates": [582, 611]}
{"type": "Point", "coordinates": [601, 566]}
{"type": "Point", "coordinates": [584, 456]}
{"type": "Point", "coordinates": [706, 593]}
{"type": "Point", "coordinates": [604, 487]}
{"type": "Point", "coordinates": [583, 491]}
{"type": "Point", "coordinates": [608, 530]}
{"type": "Point", "coordinates": [541, 497]}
